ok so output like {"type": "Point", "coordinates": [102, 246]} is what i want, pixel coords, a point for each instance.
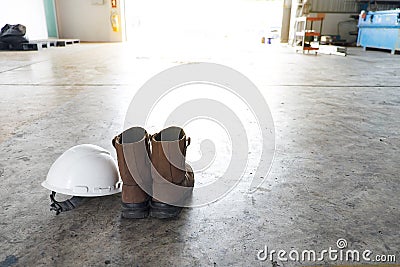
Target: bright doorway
{"type": "Point", "coordinates": [201, 28]}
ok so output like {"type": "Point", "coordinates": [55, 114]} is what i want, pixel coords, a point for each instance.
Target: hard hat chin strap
{"type": "Point", "coordinates": [66, 205]}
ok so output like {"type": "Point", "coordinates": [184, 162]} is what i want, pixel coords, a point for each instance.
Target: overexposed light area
{"type": "Point", "coordinates": [185, 27]}
{"type": "Point", "coordinates": [213, 126]}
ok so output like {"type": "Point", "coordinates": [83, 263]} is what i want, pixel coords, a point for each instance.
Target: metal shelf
{"type": "Point", "coordinates": [306, 38]}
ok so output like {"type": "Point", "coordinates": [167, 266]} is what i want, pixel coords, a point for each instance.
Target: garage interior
{"type": "Point", "coordinates": [336, 126]}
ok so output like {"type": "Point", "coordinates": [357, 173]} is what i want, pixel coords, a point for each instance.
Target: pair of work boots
{"type": "Point", "coordinates": [156, 178]}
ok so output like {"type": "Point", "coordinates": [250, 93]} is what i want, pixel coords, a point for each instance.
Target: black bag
{"type": "Point", "coordinates": [12, 36]}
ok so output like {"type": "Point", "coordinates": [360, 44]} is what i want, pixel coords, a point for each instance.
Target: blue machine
{"type": "Point", "coordinates": [380, 29]}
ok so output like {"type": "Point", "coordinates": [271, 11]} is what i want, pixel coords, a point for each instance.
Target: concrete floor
{"type": "Point", "coordinates": [335, 173]}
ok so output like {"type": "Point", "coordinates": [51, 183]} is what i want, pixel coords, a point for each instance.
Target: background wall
{"type": "Point", "coordinates": [27, 12]}
{"type": "Point", "coordinates": [337, 19]}
{"type": "Point", "coordinates": [330, 24]}
{"type": "Point", "coordinates": [87, 21]}
{"type": "Point", "coordinates": [339, 24]}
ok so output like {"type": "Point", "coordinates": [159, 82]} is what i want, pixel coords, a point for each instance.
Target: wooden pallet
{"type": "Point", "coordinates": [46, 43]}
{"type": "Point", "coordinates": [36, 45]}
{"type": "Point", "coordinates": [64, 42]}
{"type": "Point", "coordinates": [30, 47]}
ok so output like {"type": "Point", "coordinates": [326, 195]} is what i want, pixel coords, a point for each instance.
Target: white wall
{"type": "Point", "coordinates": [331, 21]}
{"type": "Point", "coordinates": [27, 12]}
{"type": "Point", "coordinates": [80, 19]}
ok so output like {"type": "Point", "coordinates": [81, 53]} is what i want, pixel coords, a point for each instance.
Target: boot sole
{"type": "Point", "coordinates": [135, 214]}
{"type": "Point", "coordinates": [164, 211]}
{"type": "Point", "coordinates": [135, 210]}
{"type": "Point", "coordinates": [160, 214]}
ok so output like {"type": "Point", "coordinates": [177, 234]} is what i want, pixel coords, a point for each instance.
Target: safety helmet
{"type": "Point", "coordinates": [83, 171]}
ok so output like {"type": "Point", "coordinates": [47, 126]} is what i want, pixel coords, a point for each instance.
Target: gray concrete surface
{"type": "Point", "coordinates": [335, 174]}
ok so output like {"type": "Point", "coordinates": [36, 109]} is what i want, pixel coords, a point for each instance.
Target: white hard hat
{"type": "Point", "coordinates": [85, 171]}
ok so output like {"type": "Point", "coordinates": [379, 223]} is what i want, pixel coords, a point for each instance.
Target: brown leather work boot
{"type": "Point", "coordinates": [173, 178]}
{"type": "Point", "coordinates": [133, 153]}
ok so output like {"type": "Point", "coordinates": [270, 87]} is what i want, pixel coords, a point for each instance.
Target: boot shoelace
{"type": "Point", "coordinates": [65, 205]}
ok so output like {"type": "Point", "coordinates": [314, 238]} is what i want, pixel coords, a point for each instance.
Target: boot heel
{"type": "Point", "coordinates": [135, 210]}
{"type": "Point", "coordinates": [164, 211]}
